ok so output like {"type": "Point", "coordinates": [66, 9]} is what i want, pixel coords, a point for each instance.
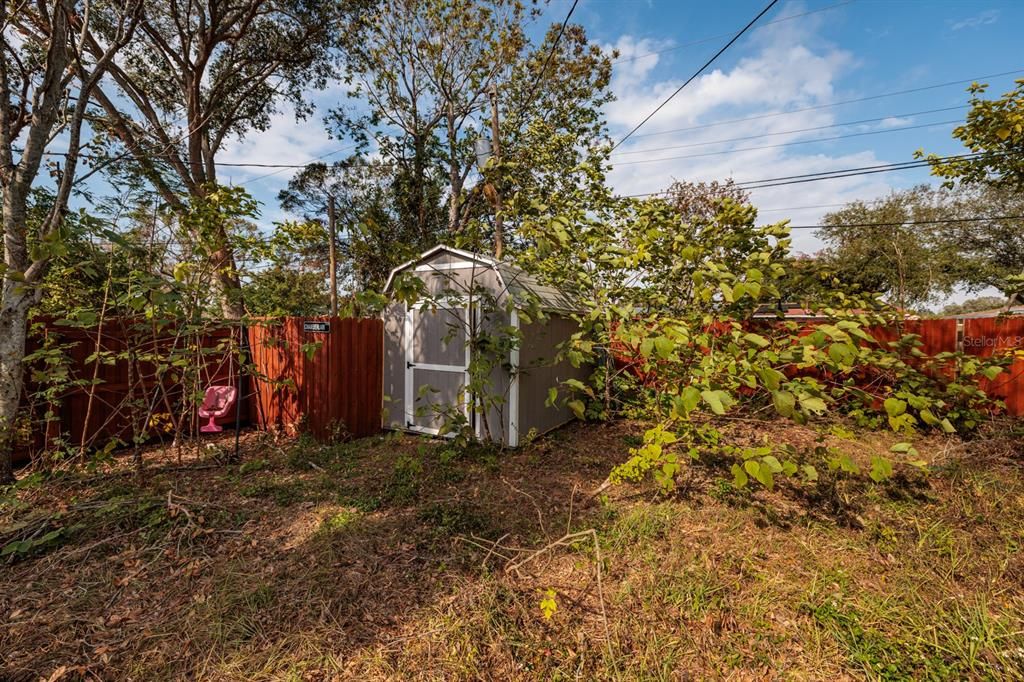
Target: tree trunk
{"type": "Point", "coordinates": [229, 286]}
{"type": "Point", "coordinates": [13, 326]}
{"type": "Point", "coordinates": [419, 150]}
{"type": "Point", "coordinates": [454, 175]}
{"type": "Point", "coordinates": [332, 234]}
{"type": "Point", "coordinates": [499, 229]}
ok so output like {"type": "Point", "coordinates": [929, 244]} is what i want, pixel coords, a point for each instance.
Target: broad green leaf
{"type": "Point", "coordinates": [771, 378]}
{"type": "Point", "coordinates": [739, 476]}
{"type": "Point", "coordinates": [843, 354]}
{"type": "Point", "coordinates": [904, 448]}
{"type": "Point", "coordinates": [664, 347]}
{"type": "Point", "coordinates": [894, 407]}
{"type": "Point", "coordinates": [881, 469]}
{"type": "Point", "coordinates": [579, 386]}
{"type": "Point", "coordinates": [726, 292]}
{"type": "Point", "coordinates": [810, 473]}
{"type": "Point", "coordinates": [577, 407]}
{"type": "Point", "coordinates": [810, 403]}
{"type": "Point", "coordinates": [762, 474]}
{"type": "Point", "coordinates": [991, 372]}
{"type": "Point", "coordinates": [690, 397]}
{"type": "Point", "coordinates": [772, 463]}
{"type": "Point", "coordinates": [716, 400]}
{"type": "Point", "coordinates": [756, 339]}
{"type": "Point", "coordinates": [785, 402]}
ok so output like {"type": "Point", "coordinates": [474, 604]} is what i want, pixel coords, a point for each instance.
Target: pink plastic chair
{"type": "Point", "coordinates": [216, 403]}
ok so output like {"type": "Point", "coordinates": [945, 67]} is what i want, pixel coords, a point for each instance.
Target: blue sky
{"type": "Point", "coordinates": [813, 53]}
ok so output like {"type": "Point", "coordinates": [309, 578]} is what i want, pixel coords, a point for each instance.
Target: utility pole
{"type": "Point", "coordinates": [332, 256]}
{"type": "Point", "coordinates": [499, 228]}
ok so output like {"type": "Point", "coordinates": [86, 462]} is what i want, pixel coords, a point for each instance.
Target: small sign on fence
{"type": "Point", "coordinates": [317, 327]}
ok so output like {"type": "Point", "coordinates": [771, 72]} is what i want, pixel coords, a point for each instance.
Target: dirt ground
{"type": "Point", "coordinates": [396, 557]}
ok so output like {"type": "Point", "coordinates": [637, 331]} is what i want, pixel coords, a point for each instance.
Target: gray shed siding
{"type": "Point", "coordinates": [536, 355]}
{"type": "Point", "coordinates": [539, 372]}
{"type": "Point", "coordinates": [394, 365]}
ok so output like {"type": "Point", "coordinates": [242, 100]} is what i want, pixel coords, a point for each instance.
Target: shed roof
{"type": "Point", "coordinates": [519, 284]}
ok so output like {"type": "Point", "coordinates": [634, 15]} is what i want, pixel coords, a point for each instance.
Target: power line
{"type": "Point", "coordinates": [834, 104]}
{"type": "Point", "coordinates": [942, 221]}
{"type": "Point", "coordinates": [884, 165]}
{"type": "Point", "coordinates": [890, 169]}
{"type": "Point", "coordinates": [788, 144]}
{"type": "Point", "coordinates": [551, 55]}
{"type": "Point", "coordinates": [799, 208]}
{"type": "Point", "coordinates": [792, 132]}
{"type": "Point", "coordinates": [314, 160]}
{"type": "Point", "coordinates": [697, 72]}
{"type": "Point", "coordinates": [701, 41]}
{"type": "Point", "coordinates": [227, 164]}
{"type": "Point", "coordinates": [837, 173]}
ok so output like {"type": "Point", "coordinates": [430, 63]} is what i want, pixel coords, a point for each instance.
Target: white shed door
{"type": "Point", "coordinates": [436, 364]}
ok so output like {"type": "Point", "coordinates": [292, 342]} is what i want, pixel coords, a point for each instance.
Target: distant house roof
{"type": "Point", "coordinates": [993, 312]}
{"type": "Point", "coordinates": [519, 284]}
{"type": "Point", "coordinates": [788, 311]}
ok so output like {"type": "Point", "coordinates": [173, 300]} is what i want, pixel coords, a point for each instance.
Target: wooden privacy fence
{"type": "Point", "coordinates": [323, 375]}
{"type": "Point", "coordinates": [999, 335]}
{"type": "Point", "coordinates": [982, 337]}
{"type": "Point", "coordinates": [86, 386]}
{"type": "Point", "coordinates": [329, 382]}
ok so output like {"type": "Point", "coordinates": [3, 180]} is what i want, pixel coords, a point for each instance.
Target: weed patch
{"type": "Point", "coordinates": [283, 493]}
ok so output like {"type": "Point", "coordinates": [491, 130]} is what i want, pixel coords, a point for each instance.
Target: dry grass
{"type": "Point", "coordinates": [387, 559]}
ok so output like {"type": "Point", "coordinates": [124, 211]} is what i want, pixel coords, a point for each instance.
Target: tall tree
{"type": "Point", "coordinates": [555, 144]}
{"type": "Point", "coordinates": [992, 175]}
{"type": "Point", "coordinates": [986, 250]}
{"type": "Point", "coordinates": [425, 67]}
{"type": "Point", "coordinates": [46, 79]}
{"type": "Point", "coordinates": [438, 75]}
{"type": "Point", "coordinates": [204, 72]}
{"type": "Point", "coordinates": [993, 134]}
{"type": "Point", "coordinates": [973, 305]}
{"type": "Point", "coordinates": [876, 247]}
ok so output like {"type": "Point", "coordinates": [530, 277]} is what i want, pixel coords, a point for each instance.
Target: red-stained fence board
{"type": "Point", "coordinates": [330, 384]}
{"type": "Point", "coordinates": [110, 413]}
{"type": "Point", "coordinates": [994, 336]}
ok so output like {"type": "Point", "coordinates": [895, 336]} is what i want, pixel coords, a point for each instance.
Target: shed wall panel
{"type": "Point", "coordinates": [539, 372]}
{"type": "Point", "coordinates": [394, 365]}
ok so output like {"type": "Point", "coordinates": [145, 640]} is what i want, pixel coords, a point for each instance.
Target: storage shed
{"type": "Point", "coordinates": [428, 347]}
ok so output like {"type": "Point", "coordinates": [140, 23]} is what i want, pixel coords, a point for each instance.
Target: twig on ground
{"type": "Point", "coordinates": [533, 500]}
{"type": "Point", "coordinates": [600, 489]}
{"type": "Point", "coordinates": [492, 549]}
{"type": "Point", "coordinates": [572, 496]}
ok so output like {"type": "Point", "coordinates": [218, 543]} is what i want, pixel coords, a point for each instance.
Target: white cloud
{"type": "Point", "coordinates": [895, 122]}
{"type": "Point", "coordinates": [985, 18]}
{"type": "Point", "coordinates": [789, 68]}
{"type": "Point", "coordinates": [636, 58]}
{"type": "Point", "coordinates": [286, 141]}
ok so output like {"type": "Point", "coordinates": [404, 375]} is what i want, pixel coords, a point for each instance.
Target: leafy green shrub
{"type": "Point", "coordinates": [681, 298]}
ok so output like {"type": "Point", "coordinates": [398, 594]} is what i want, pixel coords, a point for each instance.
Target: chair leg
{"type": "Point", "coordinates": [211, 426]}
